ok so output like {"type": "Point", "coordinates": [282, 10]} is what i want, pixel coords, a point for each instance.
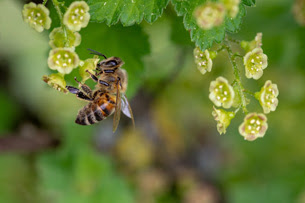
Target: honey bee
{"type": "Point", "coordinates": [108, 96]}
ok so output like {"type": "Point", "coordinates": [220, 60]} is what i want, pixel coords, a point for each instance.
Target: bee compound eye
{"type": "Point", "coordinates": [111, 63]}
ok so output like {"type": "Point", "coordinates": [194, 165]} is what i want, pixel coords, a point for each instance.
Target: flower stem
{"type": "Point", "coordinates": [249, 92]}
{"type": "Point", "coordinates": [60, 15]}
{"type": "Point", "coordinates": [237, 77]}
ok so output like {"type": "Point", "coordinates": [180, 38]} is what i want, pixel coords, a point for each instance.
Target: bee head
{"type": "Point", "coordinates": [110, 63]}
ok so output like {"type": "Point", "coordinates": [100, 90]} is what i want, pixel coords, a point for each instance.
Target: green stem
{"type": "Point", "coordinates": [237, 77]}
{"type": "Point", "coordinates": [233, 40]}
{"type": "Point", "coordinates": [249, 92]}
{"type": "Point", "coordinates": [220, 49]}
{"type": "Point", "coordinates": [60, 15]}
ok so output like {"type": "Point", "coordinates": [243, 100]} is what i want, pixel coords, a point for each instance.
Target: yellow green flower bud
{"type": "Point", "coordinates": [254, 126]}
{"type": "Point", "coordinates": [255, 61]}
{"type": "Point", "coordinates": [209, 15]}
{"type": "Point", "coordinates": [37, 16]}
{"type": "Point", "coordinates": [57, 81]}
{"type": "Point", "coordinates": [77, 16]}
{"type": "Point", "coordinates": [250, 45]}
{"type": "Point", "coordinates": [223, 119]}
{"type": "Point", "coordinates": [58, 39]}
{"type": "Point", "coordinates": [203, 60]}
{"type": "Point", "coordinates": [88, 64]}
{"type": "Point", "coordinates": [267, 97]}
{"type": "Point", "coordinates": [64, 60]}
{"type": "Point", "coordinates": [221, 92]}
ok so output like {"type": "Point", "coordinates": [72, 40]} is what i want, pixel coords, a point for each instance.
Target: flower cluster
{"type": "Point", "coordinates": [226, 95]}
{"type": "Point", "coordinates": [63, 40]}
{"type": "Point", "coordinates": [212, 14]}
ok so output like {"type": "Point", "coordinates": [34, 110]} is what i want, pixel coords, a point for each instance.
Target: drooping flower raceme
{"type": "Point", "coordinates": [221, 92]}
{"type": "Point", "coordinates": [223, 119]}
{"type": "Point", "coordinates": [255, 62]}
{"type": "Point", "coordinates": [57, 81]}
{"type": "Point", "coordinates": [232, 7]}
{"type": "Point", "coordinates": [64, 60]}
{"type": "Point", "coordinates": [267, 97]}
{"type": "Point", "coordinates": [88, 64]}
{"type": "Point", "coordinates": [77, 16]}
{"type": "Point", "coordinates": [254, 126]}
{"type": "Point", "coordinates": [209, 15]}
{"type": "Point", "coordinates": [203, 60]}
{"type": "Point", "coordinates": [37, 16]}
{"type": "Point", "coordinates": [58, 39]}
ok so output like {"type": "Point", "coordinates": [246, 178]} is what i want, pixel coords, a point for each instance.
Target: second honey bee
{"type": "Point", "coordinates": [108, 96]}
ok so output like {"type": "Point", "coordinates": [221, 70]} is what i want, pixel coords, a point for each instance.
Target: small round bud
{"type": "Point", "coordinates": [209, 15]}
{"type": "Point", "coordinates": [250, 45]}
{"type": "Point", "coordinates": [299, 11]}
{"type": "Point", "coordinates": [77, 16]}
{"type": "Point", "coordinates": [57, 81]}
{"type": "Point", "coordinates": [221, 92]}
{"type": "Point", "coordinates": [255, 61]}
{"type": "Point", "coordinates": [232, 7]}
{"type": "Point", "coordinates": [254, 126]}
{"type": "Point", "coordinates": [64, 60]}
{"type": "Point", "coordinates": [203, 60]}
{"type": "Point", "coordinates": [87, 65]}
{"type": "Point", "coordinates": [37, 16]}
{"type": "Point", "coordinates": [58, 39]}
{"type": "Point", "coordinates": [267, 97]}
{"type": "Point", "coordinates": [223, 119]}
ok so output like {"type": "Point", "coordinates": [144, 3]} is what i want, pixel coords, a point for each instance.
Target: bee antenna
{"type": "Point", "coordinates": [96, 52]}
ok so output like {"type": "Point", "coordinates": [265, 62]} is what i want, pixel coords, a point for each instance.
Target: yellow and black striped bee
{"type": "Point", "coordinates": [108, 96]}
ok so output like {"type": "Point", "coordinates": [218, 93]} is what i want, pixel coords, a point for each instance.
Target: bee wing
{"type": "Point", "coordinates": [126, 109]}
{"type": "Point", "coordinates": [117, 112]}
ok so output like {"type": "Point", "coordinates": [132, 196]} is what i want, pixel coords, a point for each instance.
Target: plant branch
{"type": "Point", "coordinates": [60, 15]}
{"type": "Point", "coordinates": [237, 76]}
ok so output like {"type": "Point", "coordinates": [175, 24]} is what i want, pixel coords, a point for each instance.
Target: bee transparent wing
{"type": "Point", "coordinates": [125, 106]}
{"type": "Point", "coordinates": [117, 112]}
{"type": "Point", "coordinates": [126, 109]}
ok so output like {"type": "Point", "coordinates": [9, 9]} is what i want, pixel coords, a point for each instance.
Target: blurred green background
{"type": "Point", "coordinates": [176, 153]}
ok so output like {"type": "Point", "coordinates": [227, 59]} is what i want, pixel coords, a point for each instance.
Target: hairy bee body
{"type": "Point", "coordinates": [108, 96]}
{"type": "Point", "coordinates": [100, 108]}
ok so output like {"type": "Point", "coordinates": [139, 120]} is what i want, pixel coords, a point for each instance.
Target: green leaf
{"type": "Point", "coordinates": [127, 11]}
{"type": "Point", "coordinates": [205, 38]}
{"type": "Point", "coordinates": [249, 2]}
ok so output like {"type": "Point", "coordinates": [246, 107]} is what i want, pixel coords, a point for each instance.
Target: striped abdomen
{"type": "Point", "coordinates": [97, 110]}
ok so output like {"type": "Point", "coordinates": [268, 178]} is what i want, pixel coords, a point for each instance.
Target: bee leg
{"type": "Point", "coordinates": [103, 83]}
{"type": "Point", "coordinates": [85, 88]}
{"type": "Point", "coordinates": [93, 77]}
{"type": "Point", "coordinates": [78, 93]}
